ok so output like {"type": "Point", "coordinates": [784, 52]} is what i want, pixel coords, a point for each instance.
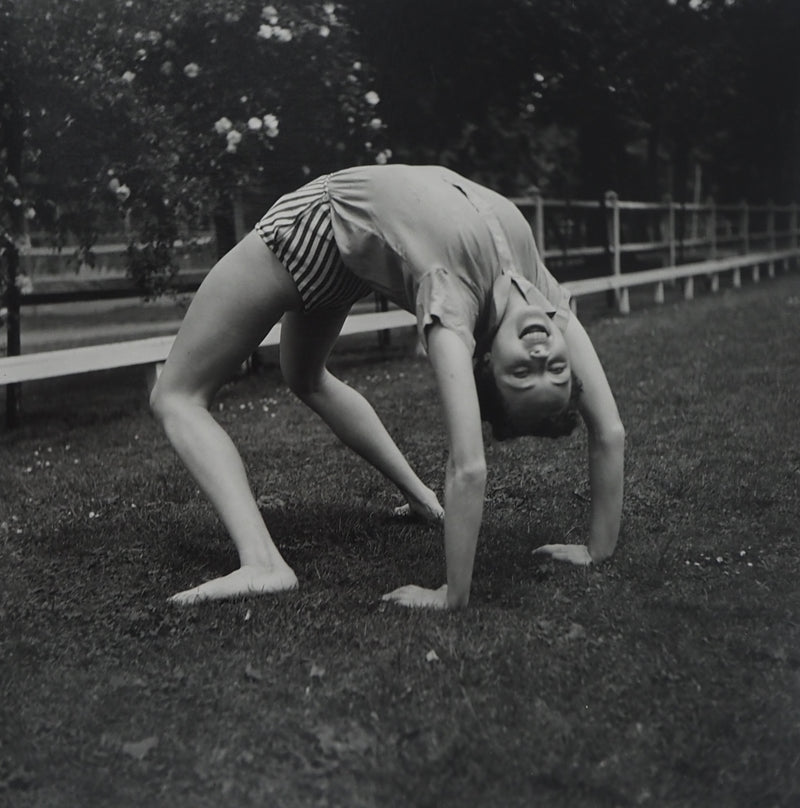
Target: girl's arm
{"type": "Point", "coordinates": [606, 438]}
{"type": "Point", "coordinates": [465, 479]}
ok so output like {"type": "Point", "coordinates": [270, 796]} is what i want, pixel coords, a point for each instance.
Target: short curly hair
{"type": "Point", "coordinates": [494, 409]}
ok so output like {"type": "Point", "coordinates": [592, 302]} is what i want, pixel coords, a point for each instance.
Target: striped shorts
{"type": "Point", "coordinates": [298, 229]}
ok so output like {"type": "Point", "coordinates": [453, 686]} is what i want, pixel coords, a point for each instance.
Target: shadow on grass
{"type": "Point", "coordinates": [667, 677]}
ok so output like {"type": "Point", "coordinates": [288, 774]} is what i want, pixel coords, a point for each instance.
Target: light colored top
{"type": "Point", "coordinates": [440, 246]}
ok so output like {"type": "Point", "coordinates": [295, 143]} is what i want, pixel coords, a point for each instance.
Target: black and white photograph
{"type": "Point", "coordinates": [400, 404]}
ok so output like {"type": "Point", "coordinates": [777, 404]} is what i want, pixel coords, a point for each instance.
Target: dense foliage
{"type": "Point", "coordinates": [157, 111]}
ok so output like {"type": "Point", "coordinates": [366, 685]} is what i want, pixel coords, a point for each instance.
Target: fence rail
{"type": "Point", "coordinates": [725, 238]}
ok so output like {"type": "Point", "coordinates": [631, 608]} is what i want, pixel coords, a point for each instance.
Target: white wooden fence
{"type": "Point", "coordinates": [724, 235]}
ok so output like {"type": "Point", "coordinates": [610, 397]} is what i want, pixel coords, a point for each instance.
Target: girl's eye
{"type": "Point", "coordinates": [557, 367]}
{"type": "Point", "coordinates": [520, 373]}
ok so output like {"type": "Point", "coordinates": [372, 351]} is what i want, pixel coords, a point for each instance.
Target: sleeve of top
{"type": "Point", "coordinates": [442, 298]}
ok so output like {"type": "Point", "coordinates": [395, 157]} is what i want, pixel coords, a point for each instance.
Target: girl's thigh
{"type": "Point", "coordinates": [240, 300]}
{"type": "Point", "coordinates": [306, 343]}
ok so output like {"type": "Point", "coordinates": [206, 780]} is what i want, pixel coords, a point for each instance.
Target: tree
{"type": "Point", "coordinates": [165, 109]}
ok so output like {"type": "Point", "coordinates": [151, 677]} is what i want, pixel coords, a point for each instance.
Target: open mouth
{"type": "Point", "coordinates": [535, 328]}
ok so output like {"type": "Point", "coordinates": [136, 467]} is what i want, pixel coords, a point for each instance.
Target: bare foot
{"type": "Point", "coordinates": [430, 513]}
{"type": "Point", "coordinates": [244, 581]}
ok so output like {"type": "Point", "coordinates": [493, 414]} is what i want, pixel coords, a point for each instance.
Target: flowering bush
{"type": "Point", "coordinates": [158, 110]}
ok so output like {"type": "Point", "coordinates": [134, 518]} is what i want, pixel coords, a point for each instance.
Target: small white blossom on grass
{"type": "Point", "coordinates": [329, 8]}
{"type": "Point", "coordinates": [128, 76]}
{"type": "Point", "coordinates": [375, 123]}
{"type": "Point", "coordinates": [283, 34]}
{"type": "Point", "coordinates": [372, 98]}
{"type": "Point", "coordinates": [270, 14]}
{"type": "Point", "coordinates": [123, 193]}
{"type": "Point", "coordinates": [254, 124]}
{"type": "Point", "coordinates": [192, 70]}
{"type": "Point", "coordinates": [265, 31]}
{"type": "Point", "coordinates": [431, 656]}
{"type": "Point", "coordinates": [324, 31]}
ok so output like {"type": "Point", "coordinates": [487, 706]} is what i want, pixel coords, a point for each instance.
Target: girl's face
{"type": "Point", "coordinates": [530, 362]}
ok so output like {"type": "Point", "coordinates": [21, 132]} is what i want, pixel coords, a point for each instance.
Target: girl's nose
{"type": "Point", "coordinates": [539, 350]}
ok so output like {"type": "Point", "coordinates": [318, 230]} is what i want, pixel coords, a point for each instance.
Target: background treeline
{"type": "Point", "coordinates": [159, 111]}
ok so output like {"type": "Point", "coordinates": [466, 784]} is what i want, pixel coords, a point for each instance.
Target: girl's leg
{"type": "Point", "coordinates": [240, 300]}
{"type": "Point", "coordinates": [306, 342]}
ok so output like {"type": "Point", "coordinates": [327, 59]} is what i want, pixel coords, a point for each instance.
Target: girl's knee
{"type": "Point", "coordinates": [301, 382]}
{"type": "Point", "coordinates": [166, 402]}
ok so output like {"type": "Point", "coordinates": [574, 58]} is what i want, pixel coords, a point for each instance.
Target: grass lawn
{"type": "Point", "coordinates": [669, 676]}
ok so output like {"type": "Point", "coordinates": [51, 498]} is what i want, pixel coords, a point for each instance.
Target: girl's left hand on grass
{"type": "Point", "coordinates": [577, 554]}
{"type": "Point", "coordinates": [419, 597]}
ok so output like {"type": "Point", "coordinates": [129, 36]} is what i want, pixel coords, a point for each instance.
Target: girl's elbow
{"type": "Point", "coordinates": [610, 434]}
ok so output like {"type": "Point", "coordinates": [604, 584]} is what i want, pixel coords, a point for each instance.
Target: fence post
{"type": "Point", "coordinates": [771, 236]}
{"type": "Point", "coordinates": [239, 225]}
{"type": "Point", "coordinates": [712, 227]}
{"type": "Point", "coordinates": [538, 220]}
{"type": "Point", "coordinates": [673, 254]}
{"type": "Point", "coordinates": [612, 201]}
{"type": "Point", "coordinates": [713, 253]}
{"type": "Point", "coordinates": [14, 348]}
{"type": "Point", "coordinates": [745, 227]}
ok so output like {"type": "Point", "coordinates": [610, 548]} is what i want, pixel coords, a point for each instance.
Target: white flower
{"type": "Point", "coordinates": [128, 76]}
{"type": "Point", "coordinates": [271, 122]}
{"type": "Point", "coordinates": [30, 213]}
{"type": "Point", "coordinates": [192, 70]}
{"type": "Point", "coordinates": [270, 13]}
{"type": "Point", "coordinates": [234, 138]}
{"type": "Point", "coordinates": [283, 35]}
{"type": "Point", "coordinates": [324, 31]}
{"type": "Point", "coordinates": [254, 124]}
{"type": "Point", "coordinates": [223, 125]}
{"type": "Point", "coordinates": [113, 185]}
{"type": "Point", "coordinates": [123, 193]}
{"type": "Point", "coordinates": [376, 123]}
{"type": "Point", "coordinates": [265, 31]}
{"type": "Point", "coordinates": [381, 158]}
{"type": "Point", "coordinates": [372, 98]}
{"type": "Point", "coordinates": [167, 68]}
{"type": "Point", "coordinates": [356, 65]}
{"type": "Point", "coordinates": [328, 8]}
